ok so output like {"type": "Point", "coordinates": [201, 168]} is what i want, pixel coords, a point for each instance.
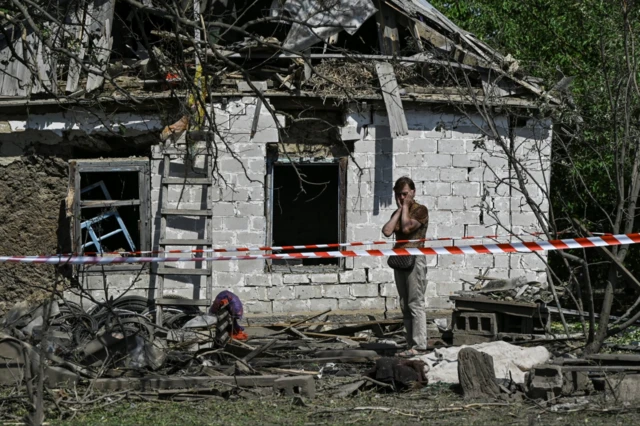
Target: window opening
{"type": "Point", "coordinates": [306, 217]}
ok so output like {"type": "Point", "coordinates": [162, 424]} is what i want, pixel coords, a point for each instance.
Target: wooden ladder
{"type": "Point", "coordinates": [207, 242]}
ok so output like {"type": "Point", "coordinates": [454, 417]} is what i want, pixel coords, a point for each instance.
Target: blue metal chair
{"type": "Point", "coordinates": [88, 224]}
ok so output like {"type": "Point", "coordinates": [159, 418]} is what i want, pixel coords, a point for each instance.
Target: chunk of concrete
{"type": "Point", "coordinates": [624, 388]}
{"type": "Point", "coordinates": [576, 381]}
{"type": "Point", "coordinates": [545, 382]}
{"type": "Point", "coordinates": [296, 385]}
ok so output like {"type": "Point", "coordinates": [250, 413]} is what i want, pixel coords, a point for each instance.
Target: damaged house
{"type": "Point", "coordinates": [127, 132]}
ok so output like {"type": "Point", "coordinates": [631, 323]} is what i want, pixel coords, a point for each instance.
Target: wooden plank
{"type": "Point", "coordinates": [81, 19]}
{"type": "Point", "coordinates": [388, 36]}
{"type": "Point", "coordinates": [88, 204]}
{"type": "Point", "coordinates": [181, 271]}
{"type": "Point", "coordinates": [103, 18]}
{"type": "Point", "coordinates": [45, 63]}
{"type": "Point", "coordinates": [185, 212]}
{"type": "Point", "coordinates": [392, 100]}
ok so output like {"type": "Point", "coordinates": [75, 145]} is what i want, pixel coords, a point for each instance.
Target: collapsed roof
{"type": "Point", "coordinates": [123, 49]}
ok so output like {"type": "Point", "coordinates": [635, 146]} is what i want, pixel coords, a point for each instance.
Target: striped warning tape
{"type": "Point", "coordinates": [520, 247]}
{"type": "Point", "coordinates": [310, 246]}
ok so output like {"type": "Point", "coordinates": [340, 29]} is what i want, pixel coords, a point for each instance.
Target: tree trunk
{"type": "Point", "coordinates": [476, 375]}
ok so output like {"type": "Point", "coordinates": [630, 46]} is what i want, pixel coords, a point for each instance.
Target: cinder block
{"type": "Point", "coordinates": [426, 174]}
{"type": "Point", "coordinates": [257, 307]}
{"type": "Point", "coordinates": [335, 291]}
{"type": "Point", "coordinates": [451, 146]}
{"type": "Point", "coordinates": [324, 278]}
{"type": "Point", "coordinates": [229, 279]}
{"type": "Point", "coordinates": [258, 280]}
{"type": "Point", "coordinates": [467, 189]}
{"type": "Point", "coordinates": [251, 293]}
{"type": "Point", "coordinates": [453, 175]}
{"type": "Point", "coordinates": [281, 293]}
{"type": "Point", "coordinates": [296, 385]}
{"type": "Point", "coordinates": [436, 189]}
{"type": "Point", "coordinates": [479, 260]}
{"type": "Point", "coordinates": [364, 290]}
{"type": "Point", "coordinates": [251, 238]}
{"type": "Point", "coordinates": [438, 160]}
{"type": "Point", "coordinates": [485, 324]}
{"type": "Point", "coordinates": [295, 279]}
{"type": "Point", "coordinates": [388, 290]}
{"type": "Point", "coordinates": [320, 305]}
{"type": "Point", "coordinates": [250, 266]}
{"type": "Point", "coordinates": [250, 209]}
{"type": "Point", "coordinates": [308, 292]}
{"type": "Point", "coordinates": [236, 223]}
{"type": "Point", "coordinates": [450, 203]}
{"type": "Point", "coordinates": [381, 275]}
{"type": "Point", "coordinates": [545, 382]}
{"type": "Point", "coordinates": [223, 209]}
{"type": "Point", "coordinates": [423, 145]}
{"type": "Point", "coordinates": [290, 306]}
{"type": "Point", "coordinates": [362, 303]}
{"type": "Point", "coordinates": [404, 160]}
{"type": "Point", "coordinates": [355, 276]}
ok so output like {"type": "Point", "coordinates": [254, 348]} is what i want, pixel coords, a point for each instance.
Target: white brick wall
{"type": "Point", "coordinates": [443, 153]}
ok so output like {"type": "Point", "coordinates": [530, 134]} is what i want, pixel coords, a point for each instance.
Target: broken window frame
{"type": "Point", "coordinates": [141, 166]}
{"type": "Point", "coordinates": [272, 162]}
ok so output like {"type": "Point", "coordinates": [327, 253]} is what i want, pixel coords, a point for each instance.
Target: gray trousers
{"type": "Point", "coordinates": [412, 286]}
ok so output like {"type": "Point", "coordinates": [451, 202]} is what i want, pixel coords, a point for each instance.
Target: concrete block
{"type": "Point", "coordinates": [296, 385]}
{"type": "Point", "coordinates": [437, 160]}
{"type": "Point", "coordinates": [451, 146]}
{"type": "Point", "coordinates": [320, 305]}
{"type": "Point", "coordinates": [467, 160]}
{"type": "Point", "coordinates": [439, 303]}
{"type": "Point", "coordinates": [229, 279]}
{"type": "Point", "coordinates": [364, 290]}
{"type": "Point", "coordinates": [545, 382]}
{"type": "Point", "coordinates": [479, 260]}
{"type": "Point", "coordinates": [388, 290]}
{"type": "Point", "coordinates": [355, 276]}
{"type": "Point", "coordinates": [324, 278]}
{"type": "Point", "coordinates": [453, 175]}
{"type": "Point", "coordinates": [447, 288]}
{"type": "Point", "coordinates": [426, 174]}
{"type": "Point", "coordinates": [450, 203]}
{"type": "Point", "coordinates": [524, 219]}
{"type": "Point", "coordinates": [252, 293]}
{"type": "Point", "coordinates": [423, 145]}
{"type": "Point", "coordinates": [257, 307]}
{"type": "Point", "coordinates": [335, 291]}
{"type": "Point", "coordinates": [250, 209]}
{"type": "Point", "coordinates": [258, 280]}
{"type": "Point", "coordinates": [367, 233]}
{"type": "Point", "coordinates": [251, 238]}
{"type": "Point", "coordinates": [250, 266]}
{"type": "Point", "coordinates": [577, 381]}
{"type": "Point", "coordinates": [362, 303]}
{"type": "Point", "coordinates": [381, 275]}
{"type": "Point", "coordinates": [297, 305]}
{"type": "Point", "coordinates": [467, 189]}
{"type": "Point", "coordinates": [258, 223]}
{"type": "Point", "coordinates": [236, 223]}
{"type": "Point", "coordinates": [295, 279]}
{"type": "Point", "coordinates": [410, 160]}
{"type": "Point", "coordinates": [435, 189]}
{"type": "Point", "coordinates": [308, 292]}
{"type": "Point", "coordinates": [281, 293]}
{"type": "Point", "coordinates": [223, 209]}
{"type": "Point", "coordinates": [439, 217]}
{"type": "Point", "coordinates": [224, 238]}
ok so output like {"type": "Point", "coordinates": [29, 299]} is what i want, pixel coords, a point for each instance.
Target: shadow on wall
{"type": "Point", "coordinates": [383, 185]}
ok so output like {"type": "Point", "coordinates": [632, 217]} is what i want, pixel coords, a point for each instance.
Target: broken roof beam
{"type": "Point", "coordinates": [103, 22]}
{"type": "Point", "coordinates": [81, 18]}
{"type": "Point", "coordinates": [392, 101]}
{"type": "Point", "coordinates": [388, 36]}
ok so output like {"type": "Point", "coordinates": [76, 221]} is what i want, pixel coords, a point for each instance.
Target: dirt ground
{"type": "Point", "coordinates": [435, 404]}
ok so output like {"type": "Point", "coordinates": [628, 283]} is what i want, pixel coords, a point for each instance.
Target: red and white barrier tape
{"type": "Point", "coordinates": [520, 247]}
{"type": "Point", "coordinates": [310, 246]}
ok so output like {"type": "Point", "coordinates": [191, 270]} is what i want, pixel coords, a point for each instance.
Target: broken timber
{"type": "Point", "coordinates": [391, 96]}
